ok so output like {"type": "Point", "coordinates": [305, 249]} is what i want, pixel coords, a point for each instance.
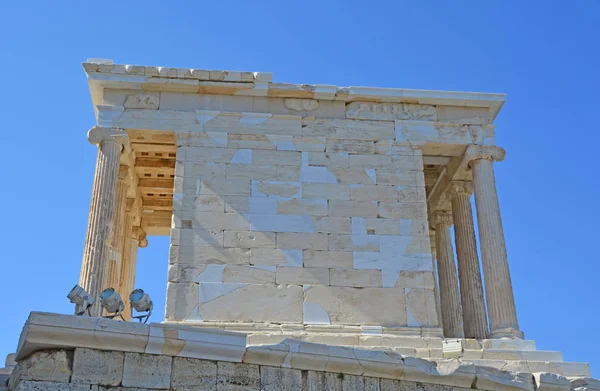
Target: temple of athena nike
{"type": "Point", "coordinates": [310, 243]}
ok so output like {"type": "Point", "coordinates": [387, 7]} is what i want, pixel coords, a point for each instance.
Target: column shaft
{"type": "Point", "coordinates": [95, 253]}
{"type": "Point", "coordinates": [471, 290]}
{"type": "Point", "coordinates": [118, 234]}
{"type": "Point", "coordinates": [124, 287]}
{"type": "Point", "coordinates": [448, 280]}
{"type": "Point", "coordinates": [498, 285]}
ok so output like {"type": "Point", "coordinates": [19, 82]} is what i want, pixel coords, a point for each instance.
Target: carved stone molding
{"type": "Point", "coordinates": [442, 217]}
{"type": "Point", "coordinates": [390, 111]}
{"type": "Point", "coordinates": [301, 104]}
{"type": "Point", "coordinates": [460, 187]}
{"type": "Point", "coordinates": [476, 152]}
{"type": "Point", "coordinates": [97, 135]}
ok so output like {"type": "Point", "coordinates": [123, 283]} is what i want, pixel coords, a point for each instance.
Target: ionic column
{"type": "Point", "coordinates": [118, 234]}
{"type": "Point", "coordinates": [95, 253]}
{"type": "Point", "coordinates": [471, 290]}
{"type": "Point", "coordinates": [125, 286]}
{"type": "Point", "coordinates": [498, 286]}
{"type": "Point", "coordinates": [448, 280]}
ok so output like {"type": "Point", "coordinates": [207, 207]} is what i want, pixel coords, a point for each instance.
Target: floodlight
{"type": "Point", "coordinates": [112, 303]}
{"type": "Point", "coordinates": [82, 299]}
{"type": "Point", "coordinates": [141, 301]}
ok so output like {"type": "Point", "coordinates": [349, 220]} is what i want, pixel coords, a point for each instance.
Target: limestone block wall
{"type": "Point", "coordinates": [95, 370]}
{"type": "Point", "coordinates": [304, 220]}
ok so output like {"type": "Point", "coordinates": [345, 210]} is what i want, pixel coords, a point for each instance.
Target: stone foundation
{"type": "Point", "coordinates": [62, 352]}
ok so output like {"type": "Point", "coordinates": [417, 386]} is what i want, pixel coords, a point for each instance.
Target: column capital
{"type": "Point", "coordinates": [98, 134]}
{"type": "Point", "coordinates": [460, 188]}
{"type": "Point", "coordinates": [490, 152]}
{"type": "Point", "coordinates": [140, 235]}
{"type": "Point", "coordinates": [442, 217]}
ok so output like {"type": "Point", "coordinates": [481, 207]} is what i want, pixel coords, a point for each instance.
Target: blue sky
{"type": "Point", "coordinates": [543, 54]}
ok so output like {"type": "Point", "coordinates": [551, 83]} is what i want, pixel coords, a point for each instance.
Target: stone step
{"type": "Point", "coordinates": [574, 369]}
{"type": "Point", "coordinates": [533, 355]}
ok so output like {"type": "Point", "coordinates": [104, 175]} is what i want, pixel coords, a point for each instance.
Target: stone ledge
{"type": "Point", "coordinates": [152, 78]}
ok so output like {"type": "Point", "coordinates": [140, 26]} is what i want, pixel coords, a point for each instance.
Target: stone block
{"type": "Point", "coordinates": [551, 382]}
{"type": "Point", "coordinates": [223, 187]}
{"type": "Point", "coordinates": [327, 259]}
{"type": "Point", "coordinates": [329, 159]}
{"type": "Point", "coordinates": [390, 111]}
{"type": "Point", "coordinates": [250, 172]}
{"type": "Point", "coordinates": [368, 243]}
{"type": "Point", "coordinates": [373, 306]}
{"type": "Point", "coordinates": [322, 381]}
{"type": "Point", "coordinates": [309, 144]}
{"type": "Point", "coordinates": [220, 221]}
{"type": "Point", "coordinates": [350, 146]}
{"type": "Point", "coordinates": [97, 367]}
{"type": "Point", "coordinates": [275, 257]}
{"type": "Point", "coordinates": [193, 374]}
{"type": "Point", "coordinates": [238, 303]}
{"type": "Point", "coordinates": [329, 191]}
{"type": "Point", "coordinates": [420, 307]}
{"type": "Point", "coordinates": [147, 371]}
{"type": "Point", "coordinates": [402, 210]}
{"type": "Point", "coordinates": [348, 129]}
{"type": "Point", "coordinates": [51, 366]}
{"type": "Point", "coordinates": [182, 297]}
{"type": "Point", "coordinates": [206, 203]}
{"type": "Point", "coordinates": [277, 189]}
{"type": "Point", "coordinates": [204, 255]}
{"type": "Point", "coordinates": [303, 207]}
{"type": "Point", "coordinates": [396, 178]}
{"type": "Point", "coordinates": [337, 225]}
{"type": "Point", "coordinates": [353, 383]}
{"type": "Point", "coordinates": [374, 193]}
{"type": "Point", "coordinates": [277, 379]}
{"type": "Point", "coordinates": [415, 279]}
{"type": "Point", "coordinates": [249, 239]}
{"type": "Point", "coordinates": [29, 385]}
{"type": "Point", "coordinates": [251, 205]}
{"type": "Point", "coordinates": [249, 274]}
{"type": "Point", "coordinates": [339, 208]}
{"type": "Point", "coordinates": [251, 141]}
{"type": "Point", "coordinates": [302, 275]}
{"type": "Point", "coordinates": [302, 241]}
{"type": "Point", "coordinates": [197, 237]}
{"type": "Point", "coordinates": [237, 376]}
{"type": "Point", "coordinates": [276, 158]}
{"type": "Point", "coordinates": [355, 278]}
{"type": "Point", "coordinates": [463, 115]}
{"type": "Point", "coordinates": [365, 176]}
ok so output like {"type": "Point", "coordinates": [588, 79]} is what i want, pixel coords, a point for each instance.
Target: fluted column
{"type": "Point", "coordinates": [95, 253]}
{"type": "Point", "coordinates": [498, 286]}
{"type": "Point", "coordinates": [118, 234]}
{"type": "Point", "coordinates": [125, 287]}
{"type": "Point", "coordinates": [448, 280]}
{"type": "Point", "coordinates": [471, 290]}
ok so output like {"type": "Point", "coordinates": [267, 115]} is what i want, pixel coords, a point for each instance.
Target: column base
{"type": "Point", "coordinates": [508, 332]}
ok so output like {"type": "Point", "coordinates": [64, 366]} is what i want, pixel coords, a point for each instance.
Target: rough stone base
{"type": "Point", "coordinates": [63, 352]}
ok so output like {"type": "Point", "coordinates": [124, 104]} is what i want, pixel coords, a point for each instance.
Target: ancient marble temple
{"type": "Point", "coordinates": [310, 242]}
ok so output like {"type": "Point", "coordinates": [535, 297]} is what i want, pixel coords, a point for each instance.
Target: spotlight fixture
{"type": "Point", "coordinates": [141, 301]}
{"type": "Point", "coordinates": [112, 303]}
{"type": "Point", "coordinates": [82, 299]}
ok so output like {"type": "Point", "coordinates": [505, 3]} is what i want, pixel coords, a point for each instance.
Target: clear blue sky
{"type": "Point", "coordinates": [543, 54]}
